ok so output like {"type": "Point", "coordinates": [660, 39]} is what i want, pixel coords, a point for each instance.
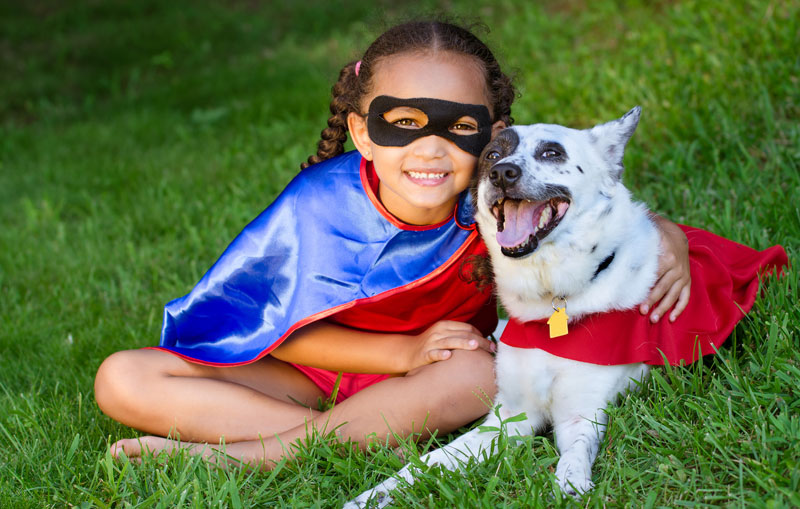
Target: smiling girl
{"type": "Point", "coordinates": [351, 284]}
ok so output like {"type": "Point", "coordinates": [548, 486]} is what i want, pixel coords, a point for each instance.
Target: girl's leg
{"type": "Point", "coordinates": [160, 393]}
{"type": "Point", "coordinates": [441, 396]}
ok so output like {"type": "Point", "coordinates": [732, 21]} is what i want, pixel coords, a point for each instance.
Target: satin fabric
{"type": "Point", "coordinates": [323, 246]}
{"type": "Point", "coordinates": [725, 283]}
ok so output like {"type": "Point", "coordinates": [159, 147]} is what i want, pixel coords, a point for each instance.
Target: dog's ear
{"type": "Point", "coordinates": [610, 138]}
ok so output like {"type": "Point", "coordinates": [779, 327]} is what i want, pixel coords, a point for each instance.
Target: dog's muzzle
{"type": "Point", "coordinates": [522, 223]}
{"type": "Point", "coordinates": [505, 175]}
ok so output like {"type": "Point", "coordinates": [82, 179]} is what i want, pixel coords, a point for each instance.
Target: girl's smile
{"type": "Point", "coordinates": [427, 177]}
{"type": "Point", "coordinates": [420, 182]}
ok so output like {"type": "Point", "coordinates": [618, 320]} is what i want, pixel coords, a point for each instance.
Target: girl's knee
{"type": "Point", "coordinates": [467, 375]}
{"type": "Point", "coordinates": [120, 380]}
{"type": "Point", "coordinates": [471, 366]}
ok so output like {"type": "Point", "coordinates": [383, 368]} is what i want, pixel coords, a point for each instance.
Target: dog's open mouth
{"type": "Point", "coordinates": [521, 224]}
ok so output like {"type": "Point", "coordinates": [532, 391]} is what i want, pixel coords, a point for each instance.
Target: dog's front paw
{"type": "Point", "coordinates": [573, 480]}
{"type": "Point", "coordinates": [377, 497]}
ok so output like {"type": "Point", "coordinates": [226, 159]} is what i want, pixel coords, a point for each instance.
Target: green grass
{"type": "Point", "coordinates": [137, 138]}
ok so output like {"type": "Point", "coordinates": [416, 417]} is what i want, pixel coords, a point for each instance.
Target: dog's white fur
{"type": "Point", "coordinates": [602, 219]}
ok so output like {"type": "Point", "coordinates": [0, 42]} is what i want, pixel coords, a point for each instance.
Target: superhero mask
{"type": "Point", "coordinates": [441, 116]}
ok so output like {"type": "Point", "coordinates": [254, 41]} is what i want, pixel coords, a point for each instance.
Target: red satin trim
{"type": "Point", "coordinates": [369, 179]}
{"type": "Point", "coordinates": [441, 295]}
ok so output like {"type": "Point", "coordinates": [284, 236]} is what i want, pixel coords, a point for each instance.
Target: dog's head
{"type": "Point", "coordinates": [533, 178]}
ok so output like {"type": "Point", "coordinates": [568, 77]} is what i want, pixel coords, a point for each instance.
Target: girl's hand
{"type": "Point", "coordinates": [438, 342]}
{"type": "Point", "coordinates": [674, 280]}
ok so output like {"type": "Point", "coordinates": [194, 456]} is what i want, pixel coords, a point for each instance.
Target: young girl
{"type": "Point", "coordinates": [357, 268]}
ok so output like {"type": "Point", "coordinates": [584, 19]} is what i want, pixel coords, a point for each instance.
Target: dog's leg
{"type": "Point", "coordinates": [579, 420]}
{"type": "Point", "coordinates": [475, 444]}
{"type": "Point", "coordinates": [578, 439]}
{"type": "Point", "coordinates": [460, 450]}
{"type": "Point", "coordinates": [579, 417]}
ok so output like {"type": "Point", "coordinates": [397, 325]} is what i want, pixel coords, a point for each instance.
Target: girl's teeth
{"type": "Point", "coordinates": [422, 175]}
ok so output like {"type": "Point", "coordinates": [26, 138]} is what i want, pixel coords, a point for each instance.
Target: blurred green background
{"type": "Point", "coordinates": [138, 137]}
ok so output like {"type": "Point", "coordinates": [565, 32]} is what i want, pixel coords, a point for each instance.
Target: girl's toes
{"type": "Point", "coordinates": [129, 447]}
{"type": "Point", "coordinates": [136, 447]}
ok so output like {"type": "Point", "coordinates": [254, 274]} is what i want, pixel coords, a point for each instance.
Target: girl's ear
{"type": "Point", "coordinates": [357, 125]}
{"type": "Point", "coordinates": [497, 127]}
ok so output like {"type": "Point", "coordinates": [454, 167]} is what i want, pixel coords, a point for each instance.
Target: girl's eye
{"type": "Point", "coordinates": [462, 126]}
{"type": "Point", "coordinates": [406, 123]}
{"type": "Point", "coordinates": [493, 155]}
{"type": "Point", "coordinates": [465, 126]}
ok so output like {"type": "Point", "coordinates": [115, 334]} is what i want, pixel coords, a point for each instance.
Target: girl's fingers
{"type": "Point", "coordinates": [486, 345]}
{"type": "Point", "coordinates": [683, 301]}
{"type": "Point", "coordinates": [439, 355]}
{"type": "Point", "coordinates": [441, 349]}
{"type": "Point", "coordinates": [658, 291]}
{"type": "Point", "coordinates": [457, 327]}
{"type": "Point", "coordinates": [666, 302]}
{"type": "Point", "coordinates": [471, 342]}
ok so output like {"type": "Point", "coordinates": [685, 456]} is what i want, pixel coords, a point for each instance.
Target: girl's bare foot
{"type": "Point", "coordinates": [135, 448]}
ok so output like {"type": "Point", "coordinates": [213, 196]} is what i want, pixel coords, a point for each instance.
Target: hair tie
{"type": "Point", "coordinates": [358, 67]}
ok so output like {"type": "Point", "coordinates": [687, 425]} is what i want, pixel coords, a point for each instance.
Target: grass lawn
{"type": "Point", "coordinates": [137, 139]}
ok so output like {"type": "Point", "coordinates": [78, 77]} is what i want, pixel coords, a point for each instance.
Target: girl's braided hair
{"type": "Point", "coordinates": [413, 36]}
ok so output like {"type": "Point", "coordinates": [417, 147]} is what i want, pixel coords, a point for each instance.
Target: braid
{"type": "Point", "coordinates": [413, 36]}
{"type": "Point", "coordinates": [502, 91]}
{"type": "Point", "coordinates": [332, 138]}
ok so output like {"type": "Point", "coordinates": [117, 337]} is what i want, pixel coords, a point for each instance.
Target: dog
{"type": "Point", "coordinates": [563, 234]}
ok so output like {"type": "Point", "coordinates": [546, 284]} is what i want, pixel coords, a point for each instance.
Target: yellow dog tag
{"type": "Point", "coordinates": [558, 320]}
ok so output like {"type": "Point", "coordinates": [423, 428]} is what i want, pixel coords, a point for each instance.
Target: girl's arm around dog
{"type": "Point", "coordinates": [329, 346]}
{"type": "Point", "coordinates": [674, 280]}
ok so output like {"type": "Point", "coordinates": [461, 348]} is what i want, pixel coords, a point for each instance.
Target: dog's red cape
{"type": "Point", "coordinates": [725, 282]}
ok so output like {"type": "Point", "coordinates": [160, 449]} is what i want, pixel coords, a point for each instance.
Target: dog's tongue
{"type": "Point", "coordinates": [518, 224]}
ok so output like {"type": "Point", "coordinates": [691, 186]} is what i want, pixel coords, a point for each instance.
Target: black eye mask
{"type": "Point", "coordinates": [442, 115]}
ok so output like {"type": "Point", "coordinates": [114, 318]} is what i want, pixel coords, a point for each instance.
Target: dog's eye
{"type": "Point", "coordinates": [493, 155]}
{"type": "Point", "coordinates": [550, 153]}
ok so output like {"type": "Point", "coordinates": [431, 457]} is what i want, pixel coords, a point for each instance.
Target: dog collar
{"type": "Point", "coordinates": [441, 116]}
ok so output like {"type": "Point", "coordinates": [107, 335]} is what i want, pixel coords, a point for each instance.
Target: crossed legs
{"type": "Point", "coordinates": [254, 407]}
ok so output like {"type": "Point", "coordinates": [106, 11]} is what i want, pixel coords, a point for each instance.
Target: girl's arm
{"type": "Point", "coordinates": [674, 280]}
{"type": "Point", "coordinates": [329, 346]}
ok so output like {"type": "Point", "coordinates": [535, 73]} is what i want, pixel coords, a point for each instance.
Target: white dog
{"type": "Point", "coordinates": [562, 232]}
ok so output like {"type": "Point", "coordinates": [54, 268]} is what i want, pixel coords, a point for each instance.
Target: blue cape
{"type": "Point", "coordinates": [323, 245]}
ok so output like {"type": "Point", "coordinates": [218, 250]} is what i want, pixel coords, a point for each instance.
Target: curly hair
{"type": "Point", "coordinates": [409, 37]}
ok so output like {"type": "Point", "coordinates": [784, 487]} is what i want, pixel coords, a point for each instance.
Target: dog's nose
{"type": "Point", "coordinates": [505, 175]}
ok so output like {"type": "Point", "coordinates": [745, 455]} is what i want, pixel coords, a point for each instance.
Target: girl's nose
{"type": "Point", "coordinates": [430, 147]}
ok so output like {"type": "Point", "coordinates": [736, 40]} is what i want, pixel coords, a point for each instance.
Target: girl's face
{"type": "Point", "coordinates": [420, 182]}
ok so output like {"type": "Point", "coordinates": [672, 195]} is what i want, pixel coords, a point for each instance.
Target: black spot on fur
{"type": "Point", "coordinates": [548, 147]}
{"type": "Point", "coordinates": [579, 169]}
{"type": "Point", "coordinates": [594, 248]}
{"type": "Point", "coordinates": [604, 264]}
{"type": "Point", "coordinates": [606, 211]}
{"type": "Point", "coordinates": [505, 143]}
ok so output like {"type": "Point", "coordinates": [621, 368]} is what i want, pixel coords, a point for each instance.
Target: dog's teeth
{"type": "Point", "coordinates": [545, 217]}
{"type": "Point", "coordinates": [501, 216]}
